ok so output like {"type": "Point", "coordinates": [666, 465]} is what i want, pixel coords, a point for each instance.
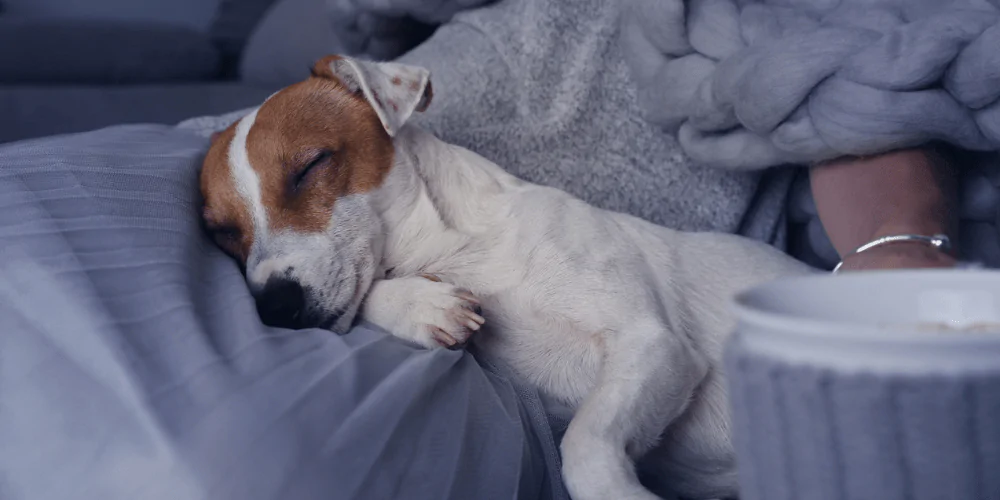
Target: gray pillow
{"type": "Point", "coordinates": [234, 21]}
{"type": "Point", "coordinates": [102, 52]}
{"type": "Point", "coordinates": [295, 33]}
{"type": "Point", "coordinates": [286, 43]}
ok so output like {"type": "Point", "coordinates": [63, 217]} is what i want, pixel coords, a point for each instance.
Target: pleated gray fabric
{"type": "Point", "coordinates": [133, 364]}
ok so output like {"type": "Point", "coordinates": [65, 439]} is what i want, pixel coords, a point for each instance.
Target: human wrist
{"type": "Point", "coordinates": [861, 199]}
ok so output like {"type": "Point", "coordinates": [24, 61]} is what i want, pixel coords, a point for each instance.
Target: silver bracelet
{"type": "Point", "coordinates": [938, 241]}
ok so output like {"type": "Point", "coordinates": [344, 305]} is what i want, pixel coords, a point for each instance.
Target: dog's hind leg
{"type": "Point", "coordinates": [647, 379]}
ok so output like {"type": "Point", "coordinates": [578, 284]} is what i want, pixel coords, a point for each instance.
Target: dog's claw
{"type": "Point", "coordinates": [445, 315]}
{"type": "Point", "coordinates": [443, 338]}
{"type": "Point", "coordinates": [467, 296]}
{"type": "Point", "coordinates": [475, 320]}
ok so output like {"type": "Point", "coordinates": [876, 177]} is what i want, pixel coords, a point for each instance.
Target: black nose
{"type": "Point", "coordinates": [282, 303]}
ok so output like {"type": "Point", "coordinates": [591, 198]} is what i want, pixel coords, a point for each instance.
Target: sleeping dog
{"type": "Point", "coordinates": [338, 209]}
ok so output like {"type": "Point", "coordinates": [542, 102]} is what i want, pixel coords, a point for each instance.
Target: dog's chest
{"type": "Point", "coordinates": [545, 347]}
{"type": "Point", "coordinates": [544, 317]}
{"type": "Point", "coordinates": [556, 277]}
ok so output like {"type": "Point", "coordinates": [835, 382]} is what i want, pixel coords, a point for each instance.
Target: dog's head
{"type": "Point", "coordinates": [287, 188]}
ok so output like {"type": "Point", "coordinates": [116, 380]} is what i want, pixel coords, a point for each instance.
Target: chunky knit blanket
{"type": "Point", "coordinates": [758, 83]}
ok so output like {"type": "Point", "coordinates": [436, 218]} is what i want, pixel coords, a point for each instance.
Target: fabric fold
{"type": "Point", "coordinates": [133, 363]}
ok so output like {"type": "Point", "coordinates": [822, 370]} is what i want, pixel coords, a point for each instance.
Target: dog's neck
{"type": "Point", "coordinates": [426, 205]}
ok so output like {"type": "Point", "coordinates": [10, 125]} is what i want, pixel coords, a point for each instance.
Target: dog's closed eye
{"type": "Point", "coordinates": [319, 159]}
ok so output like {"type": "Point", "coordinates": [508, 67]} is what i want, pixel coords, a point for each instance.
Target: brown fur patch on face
{"type": "Point", "coordinates": [226, 215]}
{"type": "Point", "coordinates": [312, 143]}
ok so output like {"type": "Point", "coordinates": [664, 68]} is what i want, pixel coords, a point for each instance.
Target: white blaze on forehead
{"type": "Point", "coordinates": [244, 177]}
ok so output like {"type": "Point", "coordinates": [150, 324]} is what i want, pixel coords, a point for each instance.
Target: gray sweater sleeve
{"type": "Point", "coordinates": [751, 84]}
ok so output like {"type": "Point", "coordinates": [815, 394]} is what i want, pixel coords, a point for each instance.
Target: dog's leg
{"type": "Point", "coordinates": [647, 379]}
{"type": "Point", "coordinates": [423, 310]}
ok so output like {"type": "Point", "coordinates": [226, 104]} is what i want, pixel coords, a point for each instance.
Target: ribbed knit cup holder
{"type": "Point", "coordinates": [882, 386]}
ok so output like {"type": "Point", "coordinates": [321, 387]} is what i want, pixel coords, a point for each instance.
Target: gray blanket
{"type": "Point", "coordinates": [541, 87]}
{"type": "Point", "coordinates": [133, 364]}
{"type": "Point", "coordinates": [384, 29]}
{"type": "Point", "coordinates": [759, 83]}
{"type": "Point", "coordinates": [749, 83]}
{"type": "Point", "coordinates": [589, 96]}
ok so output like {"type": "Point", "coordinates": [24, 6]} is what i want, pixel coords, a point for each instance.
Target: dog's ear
{"type": "Point", "coordinates": [394, 90]}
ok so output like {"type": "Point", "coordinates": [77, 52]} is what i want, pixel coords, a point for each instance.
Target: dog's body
{"type": "Point", "coordinates": [619, 319]}
{"type": "Point", "coordinates": [616, 317]}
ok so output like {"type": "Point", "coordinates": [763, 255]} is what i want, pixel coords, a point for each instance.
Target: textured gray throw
{"type": "Point", "coordinates": [758, 83]}
{"type": "Point", "coordinates": [541, 87]}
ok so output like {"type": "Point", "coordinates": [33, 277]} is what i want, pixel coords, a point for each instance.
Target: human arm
{"type": "Point", "coordinates": [910, 191]}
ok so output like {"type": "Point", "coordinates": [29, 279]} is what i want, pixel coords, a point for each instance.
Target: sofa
{"type": "Point", "coordinates": [80, 66]}
{"type": "Point", "coordinates": [77, 67]}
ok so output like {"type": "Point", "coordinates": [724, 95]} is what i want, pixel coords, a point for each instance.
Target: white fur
{"type": "Point", "coordinates": [620, 320]}
{"type": "Point", "coordinates": [244, 177]}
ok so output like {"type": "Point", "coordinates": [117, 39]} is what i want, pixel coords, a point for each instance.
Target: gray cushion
{"type": "Point", "coordinates": [33, 111]}
{"type": "Point", "coordinates": [195, 14]}
{"type": "Point", "coordinates": [102, 52]}
{"type": "Point", "coordinates": [273, 57]}
{"type": "Point", "coordinates": [234, 21]}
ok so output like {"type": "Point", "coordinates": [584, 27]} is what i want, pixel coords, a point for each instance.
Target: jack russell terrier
{"type": "Point", "coordinates": [337, 208]}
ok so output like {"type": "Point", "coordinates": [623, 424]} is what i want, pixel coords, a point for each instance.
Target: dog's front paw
{"type": "Point", "coordinates": [445, 316]}
{"type": "Point", "coordinates": [424, 310]}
